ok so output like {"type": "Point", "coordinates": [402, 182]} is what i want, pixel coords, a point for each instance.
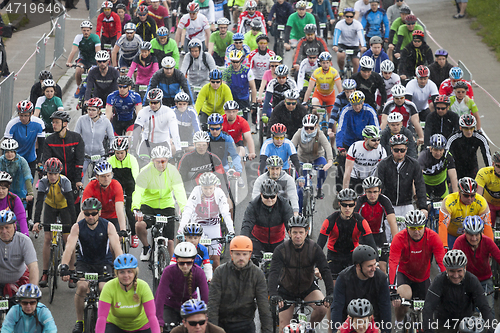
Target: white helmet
{"type": "Point", "coordinates": [223, 20]}
{"type": "Point", "coordinates": [160, 152]}
{"type": "Point", "coordinates": [201, 136]}
{"type": "Point", "coordinates": [394, 117]}
{"type": "Point", "coordinates": [398, 90]}
{"type": "Point", "coordinates": [168, 62]}
{"type": "Point", "coordinates": [102, 55]}
{"type": "Point", "coordinates": [185, 250]}
{"type": "Point", "coordinates": [9, 144]}
{"type": "Point", "coordinates": [103, 168]}
{"type": "Point", "coordinates": [5, 177]}
{"type": "Point", "coordinates": [86, 24]}
{"type": "Point", "coordinates": [366, 62]}
{"type": "Point", "coordinates": [387, 66]}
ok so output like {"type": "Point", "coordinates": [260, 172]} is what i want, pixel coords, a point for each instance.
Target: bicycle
{"type": "Point", "coordinates": [56, 251]}
{"type": "Point", "coordinates": [263, 120]}
{"type": "Point", "coordinates": [495, 267]}
{"type": "Point", "coordinates": [93, 161]}
{"type": "Point", "coordinates": [434, 204]}
{"type": "Point", "coordinates": [348, 67]}
{"type": "Point", "coordinates": [235, 183]}
{"type": "Point", "coordinates": [264, 262]}
{"type": "Point", "coordinates": [279, 44]}
{"type": "Point", "coordinates": [300, 313]}
{"type": "Point", "coordinates": [322, 115]}
{"type": "Point", "coordinates": [414, 316]}
{"type": "Point", "coordinates": [125, 241]}
{"type": "Point", "coordinates": [309, 199]}
{"type": "Point", "coordinates": [4, 308]}
{"type": "Point", "coordinates": [141, 90]}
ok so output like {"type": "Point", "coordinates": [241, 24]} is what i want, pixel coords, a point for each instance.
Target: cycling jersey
{"type": "Point", "coordinates": [276, 91]}
{"type": "Point", "coordinates": [325, 82]}
{"type": "Point", "coordinates": [188, 123]}
{"type": "Point", "coordinates": [373, 21]}
{"type": "Point", "coordinates": [341, 101]}
{"type": "Point", "coordinates": [238, 81]}
{"type": "Point", "coordinates": [169, 49]}
{"type": "Point", "coordinates": [197, 70]}
{"type": "Point", "coordinates": [295, 25]}
{"type": "Point", "coordinates": [93, 244]}
{"type": "Point", "coordinates": [101, 86]}
{"type": "Point", "coordinates": [405, 36]}
{"type": "Point", "coordinates": [169, 85]}
{"type": "Point", "coordinates": [17, 321]}
{"type": "Point", "coordinates": [194, 28]}
{"type": "Point", "coordinates": [251, 40]}
{"type": "Point", "coordinates": [393, 34]}
{"type": "Point", "coordinates": [420, 96]}
{"type": "Point", "coordinates": [386, 134]}
{"type": "Point", "coordinates": [407, 110]}
{"type": "Point", "coordinates": [365, 161]}
{"type": "Point", "coordinates": [57, 195]}
{"type": "Point", "coordinates": [446, 88]}
{"type": "Point", "coordinates": [124, 106]}
{"type": "Point", "coordinates": [305, 71]}
{"type": "Point", "coordinates": [259, 62]}
{"type": "Point", "coordinates": [220, 45]}
{"type": "Point", "coordinates": [361, 7]}
{"type": "Point", "coordinates": [436, 124]}
{"type": "Point", "coordinates": [212, 100]}
{"type": "Point", "coordinates": [352, 123]}
{"type": "Point", "coordinates": [413, 258]}
{"type": "Point", "coordinates": [145, 29]}
{"type": "Point", "coordinates": [108, 196]}
{"type": "Point", "coordinates": [245, 19]}
{"type": "Point", "coordinates": [237, 128]}
{"type": "Point", "coordinates": [303, 45]}
{"type": "Point", "coordinates": [93, 134]}
{"type": "Point", "coordinates": [478, 260]}
{"type": "Point", "coordinates": [109, 26]}
{"type": "Point", "coordinates": [412, 57]}
{"type": "Point", "coordinates": [487, 179]}
{"type": "Point", "coordinates": [192, 165]}
{"type": "Point", "coordinates": [286, 150]}
{"type": "Point", "coordinates": [159, 126]}
{"type": "Point", "coordinates": [223, 146]}
{"type": "Point", "coordinates": [370, 86]}
{"type": "Point", "coordinates": [201, 259]}
{"type": "Point", "coordinates": [125, 171]}
{"type": "Point", "coordinates": [438, 74]}
{"type": "Point", "coordinates": [464, 151]}
{"type": "Point", "coordinates": [129, 49]}
{"type": "Point", "coordinates": [69, 150]}
{"type": "Point", "coordinates": [245, 49]}
{"type": "Point", "coordinates": [86, 47]}
{"type": "Point", "coordinates": [349, 34]}
{"type": "Point", "coordinates": [466, 106]}
{"type": "Point", "coordinates": [435, 171]}
{"type": "Point", "coordinates": [391, 82]}
{"type": "Point", "coordinates": [47, 107]}
{"type": "Point", "coordinates": [375, 213]}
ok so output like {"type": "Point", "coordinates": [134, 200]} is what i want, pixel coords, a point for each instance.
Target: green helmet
{"type": "Point", "coordinates": [371, 132]}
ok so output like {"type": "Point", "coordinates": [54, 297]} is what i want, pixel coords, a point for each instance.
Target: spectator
{"type": "Point", "coordinates": [461, 6]}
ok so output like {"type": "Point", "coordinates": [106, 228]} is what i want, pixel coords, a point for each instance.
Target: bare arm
{"type": "Point", "coordinates": [391, 218]}
{"type": "Point", "coordinates": [415, 120]}
{"type": "Point", "coordinates": [70, 244]}
{"type": "Point", "coordinates": [109, 112]}
{"type": "Point", "coordinates": [250, 144]}
{"type": "Point", "coordinates": [478, 119]}
{"type": "Point", "coordinates": [33, 269]}
{"type": "Point", "coordinates": [138, 108]}
{"type": "Point", "coordinates": [120, 213]}
{"type": "Point", "coordinates": [211, 47]}
{"type": "Point", "coordinates": [178, 34]}
{"type": "Point", "coordinates": [480, 189]}
{"type": "Point", "coordinates": [452, 173]}
{"type": "Point", "coordinates": [114, 241]}
{"type": "Point", "coordinates": [383, 121]}
{"type": "Point", "coordinates": [253, 88]}
{"type": "Point", "coordinates": [338, 84]}
{"type": "Point", "coordinates": [114, 55]}
{"type": "Point", "coordinates": [349, 164]}
{"type": "Point", "coordinates": [74, 50]}
{"type": "Point", "coordinates": [310, 88]}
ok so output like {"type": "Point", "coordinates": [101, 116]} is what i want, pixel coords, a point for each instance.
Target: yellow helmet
{"type": "Point", "coordinates": [357, 97]}
{"type": "Point", "coordinates": [236, 55]}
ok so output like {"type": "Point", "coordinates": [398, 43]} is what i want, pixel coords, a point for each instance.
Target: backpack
{"type": "Point", "coordinates": [203, 59]}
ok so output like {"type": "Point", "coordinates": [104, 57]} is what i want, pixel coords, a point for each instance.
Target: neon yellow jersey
{"type": "Point", "coordinates": [325, 82]}
{"type": "Point", "coordinates": [487, 179]}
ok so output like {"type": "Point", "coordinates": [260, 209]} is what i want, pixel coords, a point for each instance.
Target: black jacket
{"type": "Point", "coordinates": [386, 135]}
{"type": "Point", "coordinates": [369, 88]}
{"type": "Point", "coordinates": [147, 29]}
{"type": "Point", "coordinates": [464, 151]}
{"type": "Point", "coordinates": [445, 125]}
{"type": "Point", "coordinates": [411, 58]}
{"type": "Point", "coordinates": [439, 74]}
{"type": "Point", "coordinates": [292, 120]}
{"type": "Point", "coordinates": [37, 91]}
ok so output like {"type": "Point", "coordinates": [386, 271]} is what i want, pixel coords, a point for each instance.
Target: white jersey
{"type": "Point", "coordinates": [365, 161]}
{"type": "Point", "coordinates": [393, 80]}
{"type": "Point", "coordinates": [350, 34]}
{"type": "Point", "coordinates": [421, 95]}
{"type": "Point", "coordinates": [305, 69]}
{"type": "Point", "coordinates": [194, 29]}
{"type": "Point", "coordinates": [361, 7]}
{"type": "Point", "coordinates": [159, 126]}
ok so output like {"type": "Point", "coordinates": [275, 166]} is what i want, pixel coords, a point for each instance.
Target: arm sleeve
{"type": "Point", "coordinates": [20, 213]}
{"type": "Point", "coordinates": [336, 36]}
{"type": "Point", "coordinates": [79, 157]}
{"type": "Point", "coordinates": [40, 199]}
{"type": "Point", "coordinates": [397, 49]}
{"type": "Point", "coordinates": [90, 85]}
{"type": "Point", "coordinates": [324, 269]}
{"type": "Point", "coordinates": [288, 29]}
{"type": "Point", "coordinates": [394, 256]}
{"type": "Point", "coordinates": [262, 300]}
{"type": "Point", "coordinates": [339, 301]}
{"type": "Point", "coordinates": [387, 28]}
{"type": "Point", "coordinates": [262, 165]}
{"type": "Point", "coordinates": [295, 160]}
{"type": "Point", "coordinates": [267, 101]}
{"type": "Point", "coordinates": [431, 303]}
{"type": "Point", "coordinates": [248, 221]}
{"type": "Point", "coordinates": [384, 304]}
{"type": "Point", "coordinates": [150, 310]}
{"type": "Point", "coordinates": [276, 268]}
{"type": "Point", "coordinates": [102, 315]}
{"type": "Point", "coordinates": [291, 190]}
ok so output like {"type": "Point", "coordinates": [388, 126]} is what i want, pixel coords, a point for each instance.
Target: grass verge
{"type": "Point", "coordinates": [486, 13]}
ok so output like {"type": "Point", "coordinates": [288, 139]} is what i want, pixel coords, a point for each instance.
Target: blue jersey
{"type": "Point", "coordinates": [16, 321]}
{"type": "Point", "coordinates": [352, 123]}
{"type": "Point", "coordinates": [201, 257]}
{"type": "Point", "coordinates": [20, 171]}
{"type": "Point", "coordinates": [284, 151]}
{"type": "Point", "coordinates": [238, 81]}
{"type": "Point", "coordinates": [188, 123]}
{"type": "Point", "coordinates": [26, 136]}
{"type": "Point", "coordinates": [223, 146]}
{"type": "Point", "coordinates": [124, 106]}
{"type": "Point", "coordinates": [372, 23]}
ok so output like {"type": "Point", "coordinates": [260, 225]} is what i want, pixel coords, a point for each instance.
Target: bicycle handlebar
{"type": "Point", "coordinates": [302, 302]}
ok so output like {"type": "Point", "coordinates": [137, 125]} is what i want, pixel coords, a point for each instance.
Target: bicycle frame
{"type": "Point", "coordinates": [414, 315]}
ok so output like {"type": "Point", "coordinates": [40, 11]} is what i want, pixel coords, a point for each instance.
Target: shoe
{"type": "Point", "coordinates": [43, 281]}
{"type": "Point", "coordinates": [172, 30]}
{"type": "Point", "coordinates": [146, 253]}
{"type": "Point", "coordinates": [134, 241]}
{"type": "Point", "coordinates": [458, 16]}
{"type": "Point", "coordinates": [320, 194]}
{"type": "Point", "coordinates": [183, 52]}
{"type": "Point", "coordinates": [78, 327]}
{"type": "Point", "coordinates": [77, 92]}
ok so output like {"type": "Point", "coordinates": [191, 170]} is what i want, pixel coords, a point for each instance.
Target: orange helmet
{"type": "Point", "coordinates": [241, 243]}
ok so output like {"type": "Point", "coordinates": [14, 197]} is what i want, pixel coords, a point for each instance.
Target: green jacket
{"type": "Point", "coordinates": [212, 101]}
{"type": "Point", "coordinates": [169, 49]}
{"type": "Point", "coordinates": [251, 40]}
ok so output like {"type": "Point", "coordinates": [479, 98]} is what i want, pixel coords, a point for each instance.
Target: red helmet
{"type": "Point", "coordinates": [53, 165]}
{"type": "Point", "coordinates": [95, 102]}
{"type": "Point", "coordinates": [278, 129]}
{"type": "Point", "coordinates": [24, 107]}
{"type": "Point", "coordinates": [193, 7]}
{"type": "Point", "coordinates": [418, 33]}
{"type": "Point", "coordinates": [411, 19]}
{"type": "Point", "coordinates": [422, 71]}
{"type": "Point", "coordinates": [442, 99]}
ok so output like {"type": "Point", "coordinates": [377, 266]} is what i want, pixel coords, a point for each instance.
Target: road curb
{"type": "Point", "coordinates": [66, 80]}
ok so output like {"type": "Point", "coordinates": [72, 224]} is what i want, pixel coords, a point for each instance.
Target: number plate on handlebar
{"type": "Point", "coordinates": [107, 46]}
{"type": "Point", "coordinates": [418, 305]}
{"type": "Point", "coordinates": [322, 25]}
{"type": "Point", "coordinates": [84, 76]}
{"type": "Point", "coordinates": [497, 234]}
{"type": "Point", "coordinates": [205, 241]}
{"type": "Point", "coordinates": [302, 317]}
{"type": "Point", "coordinates": [307, 166]}
{"type": "Point", "coordinates": [95, 158]}
{"type": "Point", "coordinates": [335, 4]}
{"type": "Point", "coordinates": [400, 219]}
{"type": "Point", "coordinates": [349, 51]}
{"type": "Point", "coordinates": [436, 205]}
{"type": "Point", "coordinates": [91, 276]}
{"type": "Point", "coordinates": [184, 144]}
{"type": "Point", "coordinates": [281, 27]}
{"type": "Point", "coordinates": [143, 87]}
{"type": "Point", "coordinates": [267, 256]}
{"type": "Point", "coordinates": [4, 304]}
{"type": "Point", "coordinates": [161, 219]}
{"type": "Point", "coordinates": [321, 111]}
{"type": "Point", "coordinates": [56, 227]}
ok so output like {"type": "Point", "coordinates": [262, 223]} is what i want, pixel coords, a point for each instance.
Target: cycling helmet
{"type": "Point", "coordinates": [124, 261]}
{"type": "Point", "coordinates": [262, 37]}
{"type": "Point", "coordinates": [194, 43]}
{"type": "Point", "coordinates": [7, 217]}
{"type": "Point", "coordinates": [193, 229]}
{"type": "Point", "coordinates": [467, 121]}
{"type": "Point", "coordinates": [91, 204]}
{"type": "Point", "coordinates": [349, 84]}
{"type": "Point", "coordinates": [437, 141]}
{"type": "Point", "coordinates": [394, 117]}
{"type": "Point", "coordinates": [103, 168]}
{"type": "Point", "coordinates": [404, 9]}
{"type": "Point", "coordinates": [398, 90]}
{"type": "Point", "coordinates": [371, 182]}
{"type": "Point", "coordinates": [193, 306]}
{"type": "Point", "coordinates": [422, 71]}
{"type": "Point", "coordinates": [236, 55]}
{"type": "Point", "coordinates": [441, 52]}
{"type": "Point", "coordinates": [231, 105]}
{"type": "Point", "coordinates": [215, 119]}
{"type": "Point", "coordinates": [325, 56]}
{"type": "Point", "coordinates": [44, 75]}
{"type": "Point", "coordinates": [145, 46]}
{"type": "Point", "coordinates": [360, 307]}
{"type": "Point", "coordinates": [455, 259]}
{"type": "Point", "coordinates": [63, 115]}
{"type": "Point", "coordinates": [162, 32]}
{"type": "Point", "coordinates": [256, 24]}
{"type": "Point", "coordinates": [367, 62]}
{"type": "Point", "coordinates": [201, 136]}
{"type": "Point", "coordinates": [301, 4]}
{"type": "Point", "coordinates": [168, 62]}
{"type": "Point", "coordinates": [274, 161]}
{"type": "Point", "coordinates": [25, 107]}
{"type": "Point", "coordinates": [278, 129]}
{"type": "Point", "coordinates": [363, 253]}
{"type": "Point", "coordinates": [155, 94]}
{"type": "Point", "coordinates": [298, 221]}
{"type": "Point", "coordinates": [294, 328]}
{"type": "Point", "coordinates": [9, 144]}
{"type": "Point", "coordinates": [120, 143]}
{"type": "Point", "coordinates": [102, 56]}
{"type": "Point", "coordinates": [387, 66]}
{"type": "Point", "coordinates": [193, 7]}
{"type": "Point", "coordinates": [269, 187]}
{"type": "Point", "coordinates": [5, 177]}
{"type": "Point", "coordinates": [107, 4]}
{"type": "Point", "coordinates": [185, 250]}
{"type": "Point", "coordinates": [370, 132]}
{"type": "Point", "coordinates": [357, 97]}
{"type": "Point", "coordinates": [442, 99]}
{"type": "Point", "coordinates": [252, 5]}
{"type": "Point", "coordinates": [208, 179]}
{"type": "Point", "coordinates": [347, 194]}
{"type": "Point", "coordinates": [415, 218]}
{"type": "Point", "coordinates": [215, 74]}
{"type": "Point", "coordinates": [86, 24]}
{"type": "Point", "coordinates": [310, 28]}
{"type": "Point", "coordinates": [310, 120]}
{"type": "Point", "coordinates": [123, 80]}
{"type": "Point", "coordinates": [53, 165]}
{"type": "Point", "coordinates": [418, 34]}
{"type": "Point", "coordinates": [223, 20]}
{"type": "Point", "coordinates": [291, 94]}
{"type": "Point", "coordinates": [276, 58]}
{"type": "Point", "coordinates": [411, 19]}
{"type": "Point", "coordinates": [181, 97]}
{"type": "Point", "coordinates": [473, 225]}
{"type": "Point", "coordinates": [129, 26]}
{"type": "Point", "coordinates": [95, 102]}
{"type": "Point", "coordinates": [121, 6]}
{"type": "Point", "coordinates": [238, 36]}
{"type": "Point", "coordinates": [281, 70]}
{"type": "Point", "coordinates": [28, 291]}
{"type": "Point", "coordinates": [471, 325]}
{"type": "Point", "coordinates": [349, 10]}
{"type": "Point", "coordinates": [142, 10]}
{"type": "Point", "coordinates": [496, 157]}
{"type": "Point", "coordinates": [241, 243]}
{"type": "Point", "coordinates": [376, 39]}
{"type": "Point", "coordinates": [398, 139]}
{"type": "Point", "coordinates": [312, 51]}
{"type": "Point", "coordinates": [461, 84]}
{"type": "Point", "coordinates": [160, 152]}
{"type": "Point", "coordinates": [456, 73]}
{"type": "Point", "coordinates": [467, 185]}
{"type": "Point", "coordinates": [48, 83]}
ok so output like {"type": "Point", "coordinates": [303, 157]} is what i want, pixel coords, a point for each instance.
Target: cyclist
{"type": "Point", "coordinates": [160, 13]}
{"type": "Point", "coordinates": [163, 46]}
{"type": "Point", "coordinates": [286, 182]}
{"type": "Point", "coordinates": [412, 251]}
{"type": "Point", "coordinates": [456, 74]}
{"type": "Point", "coordinates": [11, 202]}
{"type": "Point", "coordinates": [253, 33]}
{"type": "Point", "coordinates": [307, 66]}
{"type": "Point", "coordinates": [122, 106]}
{"type": "Point", "coordinates": [55, 196]}
{"type": "Point", "coordinates": [238, 45]}
{"type": "Point", "coordinates": [376, 52]}
{"type": "Point", "coordinates": [277, 88]}
{"type": "Point", "coordinates": [170, 80]}
{"type": "Point", "coordinates": [360, 317]}
{"type": "Point", "coordinates": [440, 68]}
{"type": "Point", "coordinates": [404, 11]}
{"type": "Point", "coordinates": [222, 144]}
{"type": "Point", "coordinates": [348, 35]}
{"type": "Point", "coordinates": [178, 284]}
{"type": "Point", "coordinates": [341, 101]}
{"type": "Point", "coordinates": [251, 13]}
{"type": "Point", "coordinates": [127, 47]}
{"type": "Point", "coordinates": [442, 121]}
{"type": "Point", "coordinates": [309, 41]}
{"type": "Point", "coordinates": [369, 82]}
{"type": "Point", "coordinates": [155, 125]}
{"type": "Point", "coordinates": [153, 195]}
{"type": "Point", "coordinates": [395, 126]}
{"type": "Point", "coordinates": [36, 89]}
{"type": "Point", "coordinates": [98, 241]}
{"type": "Point", "coordinates": [197, 64]}
{"type": "Point", "coordinates": [87, 44]}
{"type": "Point", "coordinates": [259, 59]}
{"type": "Point", "coordinates": [208, 206]}
{"type": "Point", "coordinates": [404, 34]}
{"type": "Point", "coordinates": [462, 104]}
{"type": "Point", "coordinates": [219, 41]}
{"type": "Point", "coordinates": [463, 146]}
{"type": "Point", "coordinates": [274, 62]}
{"type": "Point", "coordinates": [420, 90]}
{"type": "Point", "coordinates": [321, 10]}
{"type": "Point", "coordinates": [375, 23]}
{"type": "Point", "coordinates": [238, 128]}
{"type": "Point", "coordinates": [192, 25]}
{"type": "Point", "coordinates": [296, 23]}
{"type": "Point", "coordinates": [194, 311]}
{"type": "Point", "coordinates": [415, 54]}
{"type": "Point", "coordinates": [390, 78]}
{"type": "Point", "coordinates": [312, 146]}
{"type": "Point", "coordinates": [454, 294]}
{"type": "Point", "coordinates": [187, 118]}
{"type": "Point", "coordinates": [280, 146]}
{"type": "Point", "coordinates": [488, 183]}
{"type": "Point", "coordinates": [116, 303]}
{"type": "Point", "coordinates": [145, 24]}
{"type": "Point", "coordinates": [109, 27]}
{"type": "Point", "coordinates": [457, 206]}
{"type": "Point", "coordinates": [362, 158]}
{"type": "Point", "coordinates": [125, 171]}
{"type": "Point", "coordinates": [101, 80]}
{"type": "Point", "coordinates": [393, 11]}
{"type": "Point", "coordinates": [212, 96]}
{"type": "Point", "coordinates": [48, 104]}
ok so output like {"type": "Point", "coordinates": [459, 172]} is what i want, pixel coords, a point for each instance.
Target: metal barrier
{"type": "Point", "coordinates": [40, 56]}
{"type": "Point", "coordinates": [467, 72]}
{"type": "Point", "coordinates": [6, 96]}
{"type": "Point", "coordinates": [93, 12]}
{"type": "Point", "coordinates": [59, 38]}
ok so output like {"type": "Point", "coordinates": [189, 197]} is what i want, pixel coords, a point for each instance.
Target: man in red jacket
{"type": "Point", "coordinates": [109, 27]}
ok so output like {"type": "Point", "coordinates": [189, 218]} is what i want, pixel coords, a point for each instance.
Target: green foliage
{"type": "Point", "coordinates": [486, 13]}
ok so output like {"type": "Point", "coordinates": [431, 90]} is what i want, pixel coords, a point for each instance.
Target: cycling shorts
{"type": "Point", "coordinates": [212, 231]}
{"type": "Point", "coordinates": [494, 212]}
{"type": "Point", "coordinates": [326, 100]}
{"type": "Point", "coordinates": [338, 262]}
{"type": "Point", "coordinates": [355, 48]}
{"type": "Point", "coordinates": [286, 295]}
{"type": "Point", "coordinates": [168, 231]}
{"type": "Point", "coordinates": [440, 190]}
{"type": "Point", "coordinates": [50, 216]}
{"type": "Point", "coordinates": [86, 64]}
{"type": "Point", "coordinates": [240, 143]}
{"type": "Point", "coordinates": [418, 289]}
{"type": "Point", "coordinates": [122, 127]}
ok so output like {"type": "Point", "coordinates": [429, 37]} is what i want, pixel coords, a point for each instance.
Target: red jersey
{"type": "Point", "coordinates": [236, 129]}
{"type": "Point", "coordinates": [374, 213]}
{"type": "Point", "coordinates": [111, 26]}
{"type": "Point", "coordinates": [478, 261]}
{"type": "Point", "coordinates": [158, 14]}
{"type": "Point", "coordinates": [343, 235]}
{"type": "Point", "coordinates": [446, 88]}
{"type": "Point", "coordinates": [347, 327]}
{"type": "Point", "coordinates": [108, 196]}
{"type": "Point", "coordinates": [413, 259]}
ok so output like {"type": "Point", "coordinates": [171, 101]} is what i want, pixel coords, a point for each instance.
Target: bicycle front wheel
{"type": "Point", "coordinates": [51, 275]}
{"type": "Point", "coordinates": [90, 319]}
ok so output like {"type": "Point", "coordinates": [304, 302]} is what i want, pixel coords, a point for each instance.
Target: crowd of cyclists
{"type": "Point", "coordinates": [171, 95]}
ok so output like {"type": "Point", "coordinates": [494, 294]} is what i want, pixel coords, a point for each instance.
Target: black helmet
{"type": "Point", "coordinates": [359, 308]}
{"type": "Point", "coordinates": [298, 221]}
{"type": "Point", "coordinates": [347, 194]}
{"type": "Point", "coordinates": [125, 80]}
{"type": "Point", "coordinates": [269, 187]}
{"type": "Point", "coordinates": [45, 75]}
{"type": "Point", "coordinates": [63, 115]}
{"type": "Point", "coordinates": [312, 51]}
{"type": "Point", "coordinates": [363, 253]}
{"type": "Point", "coordinates": [91, 203]}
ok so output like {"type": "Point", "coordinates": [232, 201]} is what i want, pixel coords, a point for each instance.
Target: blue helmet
{"type": "Point", "coordinates": [193, 229]}
{"type": "Point", "coordinates": [349, 10]}
{"type": "Point", "coordinates": [29, 291]}
{"type": "Point", "coordinates": [162, 32]}
{"type": "Point", "coordinates": [125, 261]}
{"type": "Point", "coordinates": [456, 73]}
{"type": "Point", "coordinates": [215, 74]}
{"type": "Point", "coordinates": [238, 36]}
{"type": "Point", "coordinates": [192, 307]}
{"type": "Point", "coordinates": [102, 168]}
{"type": "Point", "coordinates": [473, 225]}
{"type": "Point", "coordinates": [215, 119]}
{"type": "Point", "coordinates": [7, 217]}
{"type": "Point", "coordinates": [325, 56]}
{"type": "Point", "coordinates": [438, 141]}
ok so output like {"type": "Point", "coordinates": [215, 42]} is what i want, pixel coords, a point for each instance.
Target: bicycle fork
{"type": "Point", "coordinates": [156, 264]}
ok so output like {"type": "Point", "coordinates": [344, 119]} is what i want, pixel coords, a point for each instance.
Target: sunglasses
{"type": "Point", "coordinates": [307, 128]}
{"type": "Point", "coordinates": [238, 42]}
{"type": "Point", "coordinates": [262, 43]}
{"type": "Point", "coordinates": [417, 228]}
{"type": "Point", "coordinates": [399, 150]}
{"type": "Point", "coordinates": [195, 323]}
{"type": "Point", "coordinates": [290, 103]}
{"type": "Point", "coordinates": [235, 62]}
{"type": "Point", "coordinates": [187, 263]}
{"type": "Point", "coordinates": [101, 61]}
{"type": "Point", "coordinates": [216, 82]}
{"type": "Point", "coordinates": [417, 41]}
{"type": "Point", "coordinates": [120, 86]}
{"type": "Point", "coordinates": [279, 137]}
{"type": "Point", "coordinates": [469, 195]}
{"type": "Point", "coordinates": [343, 204]}
{"type": "Point", "coordinates": [268, 196]}
{"type": "Point", "coordinates": [215, 128]}
{"type": "Point", "coordinates": [350, 16]}
{"type": "Point", "coordinates": [439, 108]}
{"type": "Point", "coordinates": [89, 213]}
{"type": "Point", "coordinates": [154, 102]}
{"type": "Point", "coordinates": [374, 140]}
{"type": "Point", "coordinates": [30, 302]}
{"type": "Point", "coordinates": [410, 23]}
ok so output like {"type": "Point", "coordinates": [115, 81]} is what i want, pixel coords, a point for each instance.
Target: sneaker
{"type": "Point", "coordinates": [183, 52]}
{"type": "Point", "coordinates": [458, 16]}
{"type": "Point", "coordinates": [78, 327]}
{"type": "Point", "coordinates": [43, 281]}
{"type": "Point", "coordinates": [320, 194]}
{"type": "Point", "coordinates": [77, 92]}
{"type": "Point", "coordinates": [134, 241]}
{"type": "Point", "coordinates": [146, 253]}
